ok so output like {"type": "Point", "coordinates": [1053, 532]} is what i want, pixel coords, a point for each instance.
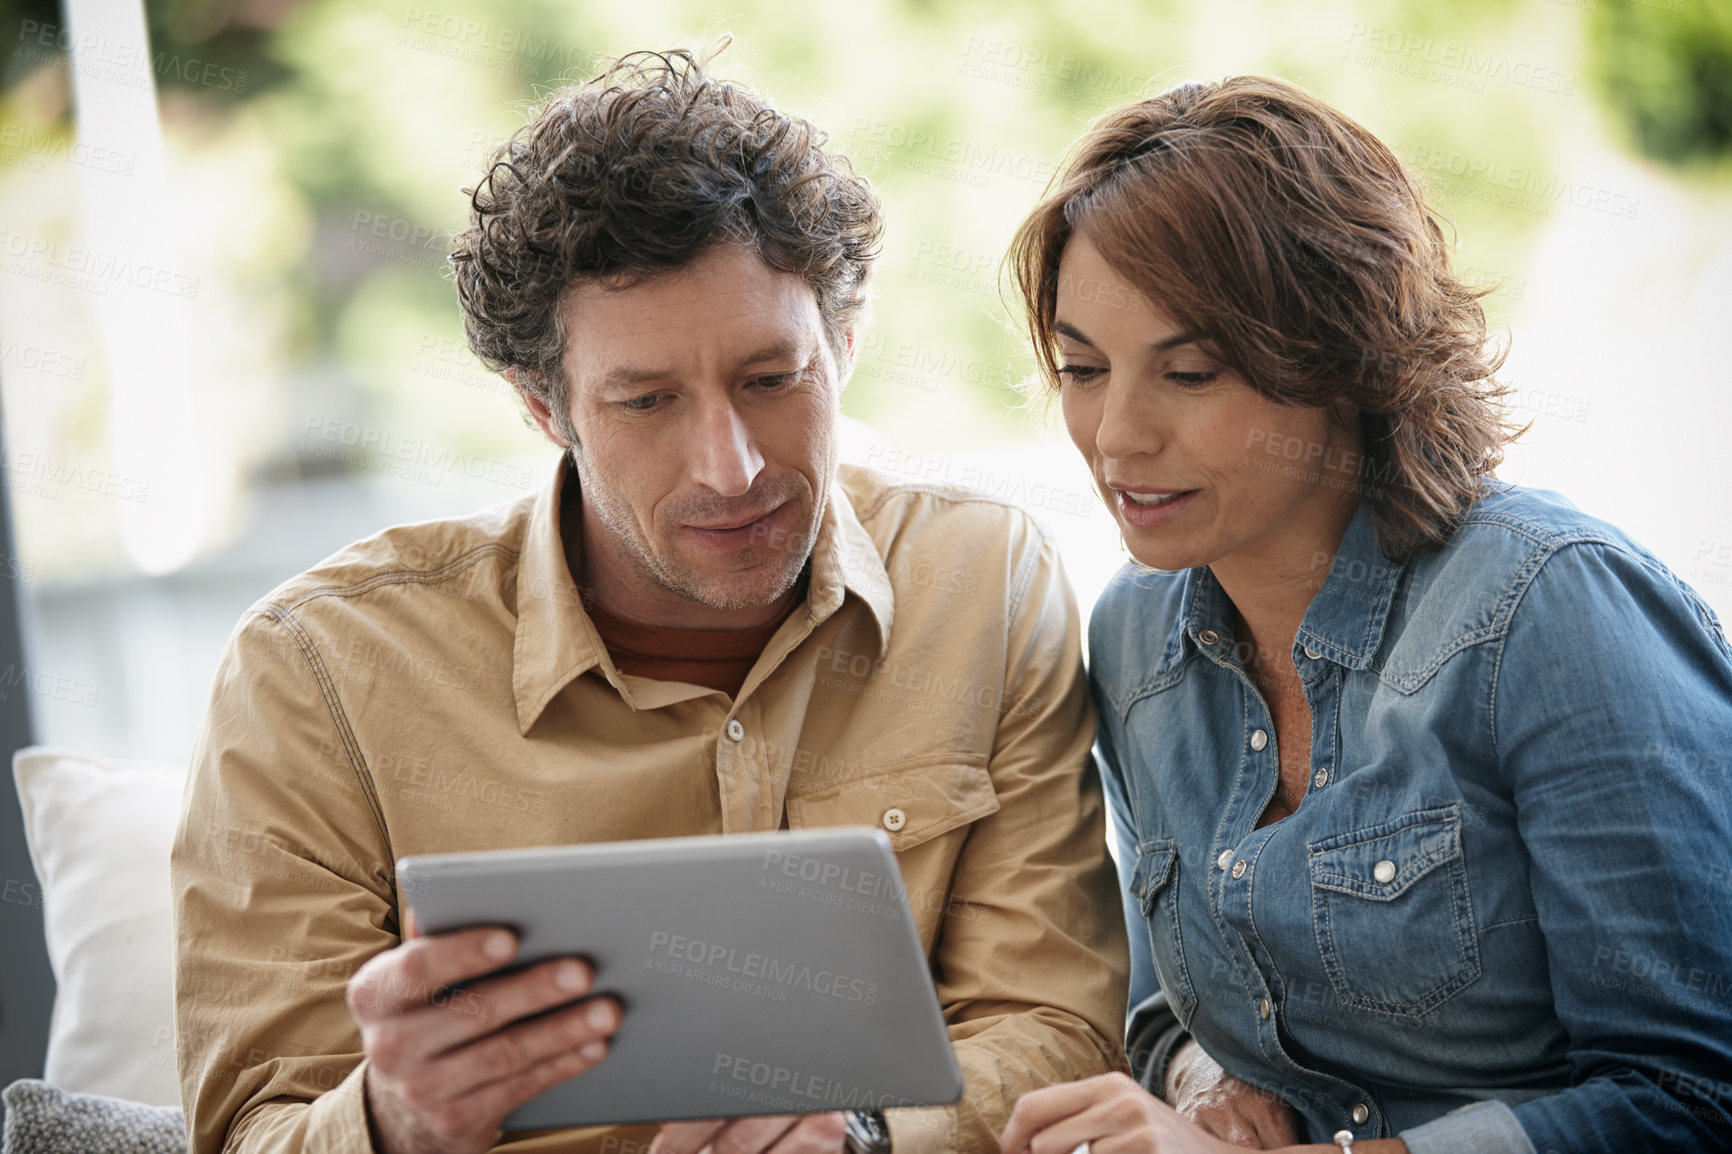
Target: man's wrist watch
{"type": "Point", "coordinates": [867, 1132]}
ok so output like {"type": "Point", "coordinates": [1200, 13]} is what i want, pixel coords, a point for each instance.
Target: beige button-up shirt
{"type": "Point", "coordinates": [440, 687]}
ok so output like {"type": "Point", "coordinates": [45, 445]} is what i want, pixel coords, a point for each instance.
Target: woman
{"type": "Point", "coordinates": [1420, 780]}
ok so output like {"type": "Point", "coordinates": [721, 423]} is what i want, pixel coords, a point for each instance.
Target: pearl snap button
{"type": "Point", "coordinates": [1312, 653]}
{"type": "Point", "coordinates": [1208, 637]}
{"type": "Point", "coordinates": [894, 819]}
{"type": "Point", "coordinates": [1263, 1008]}
{"type": "Point", "coordinates": [1360, 1114]}
{"type": "Point", "coordinates": [1383, 871]}
{"type": "Point", "coordinates": [1258, 740]}
{"type": "Point", "coordinates": [1225, 860]}
{"type": "Point", "coordinates": [1238, 870]}
{"type": "Point", "coordinates": [1320, 778]}
{"type": "Point", "coordinates": [736, 731]}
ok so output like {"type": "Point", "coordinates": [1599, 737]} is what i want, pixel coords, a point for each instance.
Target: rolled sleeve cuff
{"type": "Point", "coordinates": [337, 1119]}
{"type": "Point", "coordinates": [1484, 1127]}
{"type": "Point", "coordinates": [921, 1129]}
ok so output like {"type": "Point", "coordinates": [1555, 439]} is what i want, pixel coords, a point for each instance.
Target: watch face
{"type": "Point", "coordinates": [867, 1132]}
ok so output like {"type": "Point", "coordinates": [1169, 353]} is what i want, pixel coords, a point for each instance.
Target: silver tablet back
{"type": "Point", "coordinates": [767, 973]}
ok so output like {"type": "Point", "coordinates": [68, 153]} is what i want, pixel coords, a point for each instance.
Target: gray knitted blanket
{"type": "Point", "coordinates": [41, 1119]}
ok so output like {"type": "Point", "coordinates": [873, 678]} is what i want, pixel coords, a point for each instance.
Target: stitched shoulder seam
{"type": "Point", "coordinates": [401, 576]}
{"type": "Point", "coordinates": [345, 733]}
{"type": "Point", "coordinates": [952, 494]}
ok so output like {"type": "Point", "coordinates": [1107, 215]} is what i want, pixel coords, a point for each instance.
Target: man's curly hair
{"type": "Point", "coordinates": [640, 171]}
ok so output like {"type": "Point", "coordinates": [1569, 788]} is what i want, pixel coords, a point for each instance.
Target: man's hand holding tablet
{"type": "Point", "coordinates": [445, 1064]}
{"type": "Point", "coordinates": [780, 1133]}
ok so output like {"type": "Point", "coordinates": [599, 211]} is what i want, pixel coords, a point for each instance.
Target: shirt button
{"type": "Point", "coordinates": [736, 731]}
{"type": "Point", "coordinates": [1320, 778]}
{"type": "Point", "coordinates": [1225, 860]}
{"type": "Point", "coordinates": [1238, 870]}
{"type": "Point", "coordinates": [894, 819]}
{"type": "Point", "coordinates": [1208, 637]}
{"type": "Point", "coordinates": [1258, 740]}
{"type": "Point", "coordinates": [1312, 653]}
{"type": "Point", "coordinates": [1360, 1114]}
{"type": "Point", "coordinates": [1383, 871]}
{"type": "Point", "coordinates": [1263, 1008]}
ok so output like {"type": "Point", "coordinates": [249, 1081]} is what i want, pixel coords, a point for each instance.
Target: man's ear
{"type": "Point", "coordinates": [538, 410]}
{"type": "Point", "coordinates": [845, 372]}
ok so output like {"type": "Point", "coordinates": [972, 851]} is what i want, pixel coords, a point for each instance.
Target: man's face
{"type": "Point", "coordinates": [705, 404]}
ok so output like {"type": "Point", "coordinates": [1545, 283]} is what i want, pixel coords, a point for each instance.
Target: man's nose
{"type": "Point", "coordinates": [725, 457]}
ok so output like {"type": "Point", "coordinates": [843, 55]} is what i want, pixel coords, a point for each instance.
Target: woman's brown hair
{"type": "Point", "coordinates": [1306, 255]}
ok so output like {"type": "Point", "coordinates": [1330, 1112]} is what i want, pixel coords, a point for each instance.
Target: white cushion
{"type": "Point", "coordinates": [99, 831]}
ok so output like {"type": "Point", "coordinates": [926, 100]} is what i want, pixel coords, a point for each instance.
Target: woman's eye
{"type": "Point", "coordinates": [1078, 374]}
{"type": "Point", "coordinates": [1192, 380]}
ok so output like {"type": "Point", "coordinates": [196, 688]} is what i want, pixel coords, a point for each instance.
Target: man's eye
{"type": "Point", "coordinates": [776, 381]}
{"type": "Point", "coordinates": [641, 404]}
{"type": "Point", "coordinates": [1192, 380]}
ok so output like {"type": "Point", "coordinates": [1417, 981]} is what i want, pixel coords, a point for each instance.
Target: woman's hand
{"type": "Point", "coordinates": [1238, 1113]}
{"type": "Point", "coordinates": [1111, 1113]}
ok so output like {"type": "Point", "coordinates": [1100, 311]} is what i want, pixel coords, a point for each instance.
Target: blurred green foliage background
{"type": "Point", "coordinates": [317, 150]}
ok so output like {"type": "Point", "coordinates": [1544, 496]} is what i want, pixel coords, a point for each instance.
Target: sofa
{"type": "Point", "coordinates": [99, 831]}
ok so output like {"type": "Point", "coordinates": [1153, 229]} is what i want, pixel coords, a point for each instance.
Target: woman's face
{"type": "Point", "coordinates": [1198, 467]}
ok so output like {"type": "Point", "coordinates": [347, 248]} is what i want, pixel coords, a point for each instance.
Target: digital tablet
{"type": "Point", "coordinates": [764, 973]}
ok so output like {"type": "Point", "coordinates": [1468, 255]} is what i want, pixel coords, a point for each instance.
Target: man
{"type": "Point", "coordinates": [702, 625]}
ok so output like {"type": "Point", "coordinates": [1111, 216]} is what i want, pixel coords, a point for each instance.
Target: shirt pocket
{"type": "Point", "coordinates": [1392, 914]}
{"type": "Point", "coordinates": [1155, 885]}
{"type": "Point", "coordinates": [912, 801]}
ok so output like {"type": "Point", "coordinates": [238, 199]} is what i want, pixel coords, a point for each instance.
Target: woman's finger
{"type": "Point", "coordinates": [1038, 1109]}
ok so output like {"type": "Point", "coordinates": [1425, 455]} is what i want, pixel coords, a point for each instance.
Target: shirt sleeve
{"type": "Point", "coordinates": [1612, 722]}
{"type": "Point", "coordinates": [1034, 988]}
{"type": "Point", "coordinates": [281, 877]}
{"type": "Point", "coordinates": [1484, 1128]}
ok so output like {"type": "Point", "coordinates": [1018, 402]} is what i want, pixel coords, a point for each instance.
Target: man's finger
{"type": "Point", "coordinates": [497, 1099]}
{"type": "Point", "coordinates": [407, 977]}
{"type": "Point", "coordinates": [813, 1134]}
{"type": "Point", "coordinates": [462, 1016]}
{"type": "Point", "coordinates": [752, 1135]}
{"type": "Point", "coordinates": [527, 1045]}
{"type": "Point", "coordinates": [685, 1137]}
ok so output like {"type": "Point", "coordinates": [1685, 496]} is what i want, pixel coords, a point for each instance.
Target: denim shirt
{"type": "Point", "coordinates": [1509, 885]}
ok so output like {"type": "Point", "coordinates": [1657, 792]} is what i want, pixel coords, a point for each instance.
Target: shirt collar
{"type": "Point", "coordinates": [1345, 620]}
{"type": "Point", "coordinates": [557, 642]}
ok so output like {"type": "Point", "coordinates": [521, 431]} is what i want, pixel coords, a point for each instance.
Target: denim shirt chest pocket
{"type": "Point", "coordinates": [1155, 886]}
{"type": "Point", "coordinates": [1397, 887]}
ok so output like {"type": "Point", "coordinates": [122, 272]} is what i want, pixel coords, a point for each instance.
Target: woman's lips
{"type": "Point", "coordinates": [1149, 508]}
